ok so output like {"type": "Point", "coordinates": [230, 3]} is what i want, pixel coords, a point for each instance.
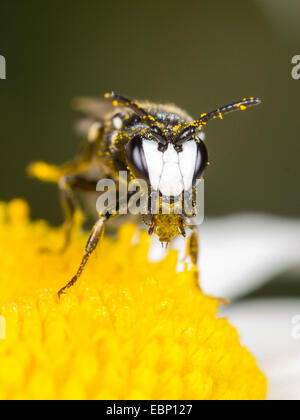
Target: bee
{"type": "Point", "coordinates": [160, 144]}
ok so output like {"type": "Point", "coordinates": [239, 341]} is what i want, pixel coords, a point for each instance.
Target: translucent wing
{"type": "Point", "coordinates": [93, 107]}
{"type": "Point", "coordinates": [95, 110]}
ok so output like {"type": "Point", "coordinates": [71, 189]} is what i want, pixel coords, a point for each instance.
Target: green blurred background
{"type": "Point", "coordinates": [197, 54]}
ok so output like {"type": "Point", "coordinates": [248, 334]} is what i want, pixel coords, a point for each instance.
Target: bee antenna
{"type": "Point", "coordinates": [220, 112]}
{"type": "Point", "coordinates": [118, 99]}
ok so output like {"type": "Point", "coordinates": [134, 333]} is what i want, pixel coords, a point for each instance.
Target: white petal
{"type": "Point", "coordinates": [270, 329]}
{"type": "Point", "coordinates": [240, 253]}
{"type": "Point", "coordinates": [156, 251]}
{"type": "Point", "coordinates": [266, 325]}
{"type": "Point", "coordinates": [154, 159]}
{"type": "Point", "coordinates": [187, 162]}
{"type": "Point", "coordinates": [284, 377]}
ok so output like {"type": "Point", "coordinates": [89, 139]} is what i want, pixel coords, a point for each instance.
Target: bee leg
{"type": "Point", "coordinates": [92, 243]}
{"type": "Point", "coordinates": [95, 237]}
{"type": "Point", "coordinates": [193, 251]}
{"type": "Point", "coordinates": [69, 206]}
{"type": "Point", "coordinates": [67, 185]}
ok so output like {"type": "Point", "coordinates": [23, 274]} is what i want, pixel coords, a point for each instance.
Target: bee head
{"type": "Point", "coordinates": [172, 157]}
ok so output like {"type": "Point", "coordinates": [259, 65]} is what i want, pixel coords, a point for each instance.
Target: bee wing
{"type": "Point", "coordinates": [94, 108]}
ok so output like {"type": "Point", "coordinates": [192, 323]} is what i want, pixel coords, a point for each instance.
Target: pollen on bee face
{"type": "Point", "coordinates": [177, 127]}
{"type": "Point", "coordinates": [167, 227]}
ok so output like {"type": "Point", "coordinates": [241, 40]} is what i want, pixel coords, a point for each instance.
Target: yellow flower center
{"type": "Point", "coordinates": [130, 329]}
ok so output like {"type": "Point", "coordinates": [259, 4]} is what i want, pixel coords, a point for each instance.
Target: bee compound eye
{"type": "Point", "coordinates": [136, 157]}
{"type": "Point", "coordinates": [201, 161]}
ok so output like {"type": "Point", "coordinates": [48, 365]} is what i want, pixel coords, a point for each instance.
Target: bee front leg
{"type": "Point", "coordinates": [92, 243]}
{"type": "Point", "coordinates": [95, 237]}
{"type": "Point", "coordinates": [193, 251]}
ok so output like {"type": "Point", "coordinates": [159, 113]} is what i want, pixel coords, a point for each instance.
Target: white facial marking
{"type": "Point", "coordinates": [187, 162]}
{"type": "Point", "coordinates": [171, 182]}
{"type": "Point", "coordinates": [154, 159]}
{"type": "Point", "coordinates": [170, 155]}
{"type": "Point", "coordinates": [170, 172]}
